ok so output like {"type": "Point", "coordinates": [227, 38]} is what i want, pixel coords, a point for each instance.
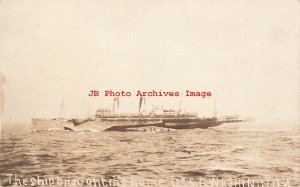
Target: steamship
{"type": "Point", "coordinates": [111, 120]}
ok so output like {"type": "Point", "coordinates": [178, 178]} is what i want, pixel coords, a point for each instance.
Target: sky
{"type": "Point", "coordinates": [245, 52]}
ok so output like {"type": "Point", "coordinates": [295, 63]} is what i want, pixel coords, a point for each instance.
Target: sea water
{"type": "Point", "coordinates": [211, 157]}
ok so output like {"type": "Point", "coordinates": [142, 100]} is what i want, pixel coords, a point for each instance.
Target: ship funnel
{"type": "Point", "coordinates": [116, 104]}
{"type": "Point", "coordinates": [142, 99]}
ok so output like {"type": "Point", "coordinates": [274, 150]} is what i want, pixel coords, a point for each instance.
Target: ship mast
{"type": "Point", "coordinates": [89, 110]}
{"type": "Point", "coordinates": [179, 108]}
{"type": "Point", "coordinates": [2, 81]}
{"type": "Point", "coordinates": [214, 113]}
{"type": "Point", "coordinates": [61, 108]}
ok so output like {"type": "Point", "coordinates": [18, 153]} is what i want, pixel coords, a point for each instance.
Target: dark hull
{"type": "Point", "coordinates": [171, 124]}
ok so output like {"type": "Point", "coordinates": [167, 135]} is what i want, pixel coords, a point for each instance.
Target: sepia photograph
{"type": "Point", "coordinates": [150, 93]}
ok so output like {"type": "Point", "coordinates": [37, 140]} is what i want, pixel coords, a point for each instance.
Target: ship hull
{"type": "Point", "coordinates": [203, 123]}
{"type": "Point", "coordinates": [116, 124]}
{"type": "Point", "coordinates": [124, 124]}
{"type": "Point", "coordinates": [170, 124]}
